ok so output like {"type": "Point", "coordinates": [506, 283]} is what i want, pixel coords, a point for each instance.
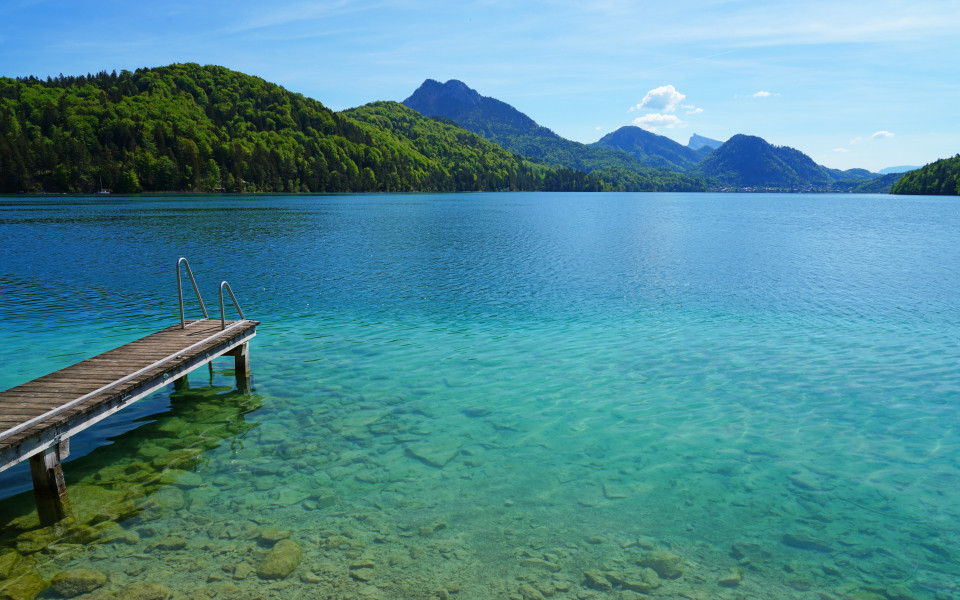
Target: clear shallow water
{"type": "Point", "coordinates": [487, 395]}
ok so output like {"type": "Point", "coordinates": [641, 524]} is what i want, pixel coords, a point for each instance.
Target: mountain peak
{"type": "Point", "coordinates": [463, 105]}
{"type": "Point", "coordinates": [432, 93]}
{"type": "Point", "coordinates": [698, 141]}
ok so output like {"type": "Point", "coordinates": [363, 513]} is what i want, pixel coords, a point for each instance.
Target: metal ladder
{"type": "Point", "coordinates": [196, 290]}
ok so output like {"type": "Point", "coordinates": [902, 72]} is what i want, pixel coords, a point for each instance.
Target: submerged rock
{"type": "Point", "coordinates": [78, 581]}
{"type": "Point", "coordinates": [803, 542]}
{"type": "Point", "coordinates": [899, 592]}
{"type": "Point", "coordinates": [731, 578]}
{"type": "Point", "coordinates": [271, 536]}
{"type": "Point", "coordinates": [596, 580]}
{"type": "Point", "coordinates": [36, 540]}
{"type": "Point", "coordinates": [528, 592]}
{"type": "Point", "coordinates": [642, 580]}
{"type": "Point", "coordinates": [92, 503]}
{"type": "Point", "coordinates": [666, 564]}
{"type": "Point", "coordinates": [363, 575]}
{"type": "Point", "coordinates": [82, 534]}
{"type": "Point", "coordinates": [8, 562]}
{"type": "Point", "coordinates": [184, 459]}
{"type": "Point", "coordinates": [615, 491]}
{"type": "Point", "coordinates": [25, 587]}
{"type": "Point", "coordinates": [169, 498]}
{"type": "Point", "coordinates": [436, 455]}
{"type": "Point", "coordinates": [282, 559]}
{"type": "Point", "coordinates": [117, 512]}
{"type": "Point", "coordinates": [537, 563]}
{"type": "Point", "coordinates": [172, 542]}
{"type": "Point", "coordinates": [144, 591]}
{"type": "Point", "coordinates": [242, 570]}
{"type": "Point", "coordinates": [864, 595]}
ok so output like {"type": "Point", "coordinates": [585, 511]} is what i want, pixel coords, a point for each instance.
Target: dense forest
{"type": "Point", "coordinates": [191, 128]}
{"type": "Point", "coordinates": [939, 178]}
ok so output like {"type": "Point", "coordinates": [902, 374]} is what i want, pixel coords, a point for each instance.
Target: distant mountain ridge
{"type": "Point", "coordinates": [900, 169]}
{"type": "Point", "coordinates": [632, 158]}
{"type": "Point", "coordinates": [506, 126]}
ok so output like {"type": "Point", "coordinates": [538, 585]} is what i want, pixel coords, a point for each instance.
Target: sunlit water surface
{"type": "Point", "coordinates": [505, 395]}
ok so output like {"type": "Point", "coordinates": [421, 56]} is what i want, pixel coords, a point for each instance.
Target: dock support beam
{"type": "Point", "coordinates": [241, 367]}
{"type": "Point", "coordinates": [49, 489]}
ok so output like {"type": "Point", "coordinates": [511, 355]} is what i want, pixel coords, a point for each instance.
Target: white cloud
{"type": "Point", "coordinates": [856, 140]}
{"type": "Point", "coordinates": [663, 102]}
{"type": "Point", "coordinates": [654, 121]}
{"type": "Point", "coordinates": [760, 94]}
{"type": "Point", "coordinates": [665, 99]}
{"type": "Point", "coordinates": [882, 134]}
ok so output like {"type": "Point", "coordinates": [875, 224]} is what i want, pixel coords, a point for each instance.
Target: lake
{"type": "Point", "coordinates": [505, 395]}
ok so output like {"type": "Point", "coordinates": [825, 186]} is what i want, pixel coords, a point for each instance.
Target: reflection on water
{"type": "Point", "coordinates": [509, 395]}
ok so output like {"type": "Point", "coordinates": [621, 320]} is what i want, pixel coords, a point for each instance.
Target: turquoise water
{"type": "Point", "coordinates": [507, 395]}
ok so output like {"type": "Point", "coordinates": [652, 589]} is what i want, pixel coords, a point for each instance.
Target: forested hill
{"type": "Point", "coordinates": [186, 127]}
{"type": "Point", "coordinates": [938, 178]}
{"type": "Point", "coordinates": [749, 161]}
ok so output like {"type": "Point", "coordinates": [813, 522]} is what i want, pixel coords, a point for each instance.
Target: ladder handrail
{"type": "Point", "coordinates": [223, 321]}
{"type": "Point", "coordinates": [183, 323]}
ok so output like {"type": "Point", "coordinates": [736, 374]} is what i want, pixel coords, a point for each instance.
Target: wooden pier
{"type": "Point", "coordinates": [38, 418]}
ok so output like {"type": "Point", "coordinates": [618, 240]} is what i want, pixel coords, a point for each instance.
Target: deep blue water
{"type": "Point", "coordinates": [559, 375]}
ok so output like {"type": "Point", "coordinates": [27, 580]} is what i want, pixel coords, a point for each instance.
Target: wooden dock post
{"type": "Point", "coordinates": [241, 367]}
{"type": "Point", "coordinates": [49, 489]}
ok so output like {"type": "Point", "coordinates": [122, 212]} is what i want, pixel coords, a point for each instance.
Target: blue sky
{"type": "Point", "coordinates": [856, 83]}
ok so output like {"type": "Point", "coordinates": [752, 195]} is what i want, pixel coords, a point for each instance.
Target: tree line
{"type": "Point", "coordinates": [187, 127]}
